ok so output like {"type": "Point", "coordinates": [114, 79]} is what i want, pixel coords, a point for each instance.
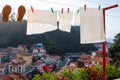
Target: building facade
{"type": "Point", "coordinates": [17, 66]}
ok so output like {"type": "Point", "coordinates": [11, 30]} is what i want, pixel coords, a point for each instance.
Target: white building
{"type": "Point", "coordinates": [17, 66]}
{"type": "Point", "coordinates": [3, 68]}
{"type": "Point", "coordinates": [39, 51]}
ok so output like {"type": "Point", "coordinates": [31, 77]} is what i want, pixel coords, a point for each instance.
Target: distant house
{"type": "Point", "coordinates": [28, 57]}
{"type": "Point", "coordinates": [84, 57]}
{"type": "Point", "coordinates": [2, 58]}
{"type": "Point", "coordinates": [22, 47]}
{"type": "Point", "coordinates": [97, 53]}
{"type": "Point", "coordinates": [36, 50]}
{"type": "Point", "coordinates": [80, 63]}
{"type": "Point", "coordinates": [99, 60]}
{"type": "Point", "coordinates": [5, 77]}
{"type": "Point", "coordinates": [16, 76]}
{"type": "Point", "coordinates": [8, 53]}
{"type": "Point", "coordinates": [38, 65]}
{"type": "Point", "coordinates": [17, 66]}
{"type": "Point", "coordinates": [94, 59]}
{"type": "Point", "coordinates": [12, 76]}
{"type": "Point", "coordinates": [40, 51]}
{"type": "Point", "coordinates": [3, 68]}
{"type": "Point", "coordinates": [6, 56]}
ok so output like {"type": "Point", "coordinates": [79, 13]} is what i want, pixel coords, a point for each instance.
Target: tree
{"type": "Point", "coordinates": [114, 51]}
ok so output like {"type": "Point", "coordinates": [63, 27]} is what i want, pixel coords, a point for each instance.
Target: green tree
{"type": "Point", "coordinates": [114, 51]}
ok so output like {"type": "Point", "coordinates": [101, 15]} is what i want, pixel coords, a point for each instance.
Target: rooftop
{"type": "Point", "coordinates": [2, 65]}
{"type": "Point", "coordinates": [24, 53]}
{"type": "Point", "coordinates": [5, 77]}
{"type": "Point", "coordinates": [17, 62]}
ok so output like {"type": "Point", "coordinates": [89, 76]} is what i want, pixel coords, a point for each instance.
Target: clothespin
{"type": "Point", "coordinates": [78, 11]}
{"type": "Point", "coordinates": [62, 10]}
{"type": "Point", "coordinates": [32, 9]}
{"type": "Point", "coordinates": [85, 7]}
{"type": "Point", "coordinates": [52, 10]}
{"type": "Point", "coordinates": [68, 10]}
{"type": "Point", "coordinates": [99, 7]}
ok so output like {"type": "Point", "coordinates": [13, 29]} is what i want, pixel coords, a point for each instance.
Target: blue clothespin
{"type": "Point", "coordinates": [99, 7]}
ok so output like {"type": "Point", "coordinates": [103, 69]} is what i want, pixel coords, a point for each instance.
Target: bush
{"type": "Point", "coordinates": [85, 73]}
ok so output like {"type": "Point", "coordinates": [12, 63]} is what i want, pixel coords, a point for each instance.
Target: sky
{"type": "Point", "coordinates": [112, 15]}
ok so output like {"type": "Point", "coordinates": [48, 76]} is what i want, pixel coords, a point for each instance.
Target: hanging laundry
{"type": "Point", "coordinates": [76, 19]}
{"type": "Point", "coordinates": [21, 13]}
{"type": "Point", "coordinates": [6, 12]}
{"type": "Point", "coordinates": [41, 21]}
{"type": "Point", "coordinates": [91, 26]}
{"type": "Point", "coordinates": [65, 21]}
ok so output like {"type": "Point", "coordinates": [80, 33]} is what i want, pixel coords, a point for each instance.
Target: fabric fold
{"type": "Point", "coordinates": [41, 21]}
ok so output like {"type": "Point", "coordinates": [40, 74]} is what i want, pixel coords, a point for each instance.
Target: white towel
{"type": "Point", "coordinates": [76, 19]}
{"type": "Point", "coordinates": [65, 21]}
{"type": "Point", "coordinates": [41, 21]}
{"type": "Point", "coordinates": [91, 26]}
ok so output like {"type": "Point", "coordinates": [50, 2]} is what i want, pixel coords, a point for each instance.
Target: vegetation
{"type": "Point", "coordinates": [114, 51]}
{"type": "Point", "coordinates": [56, 42]}
{"type": "Point", "coordinates": [85, 73]}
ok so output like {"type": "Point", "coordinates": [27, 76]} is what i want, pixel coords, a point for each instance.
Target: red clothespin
{"type": "Point", "coordinates": [62, 10]}
{"type": "Point", "coordinates": [32, 9]}
{"type": "Point", "coordinates": [85, 7]}
{"type": "Point", "coordinates": [68, 10]}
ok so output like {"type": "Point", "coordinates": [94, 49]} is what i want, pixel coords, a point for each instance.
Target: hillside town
{"type": "Point", "coordinates": [20, 62]}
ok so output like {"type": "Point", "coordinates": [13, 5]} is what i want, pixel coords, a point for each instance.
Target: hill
{"type": "Point", "coordinates": [14, 33]}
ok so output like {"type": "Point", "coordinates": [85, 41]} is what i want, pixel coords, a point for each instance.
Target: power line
{"type": "Point", "coordinates": [79, 6]}
{"type": "Point", "coordinates": [59, 3]}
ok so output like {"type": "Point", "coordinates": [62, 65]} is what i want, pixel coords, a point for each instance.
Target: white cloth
{"type": "Point", "coordinates": [76, 19]}
{"type": "Point", "coordinates": [91, 26]}
{"type": "Point", "coordinates": [65, 21]}
{"type": "Point", "coordinates": [41, 21]}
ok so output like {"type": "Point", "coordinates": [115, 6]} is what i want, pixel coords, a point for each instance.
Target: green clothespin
{"type": "Point", "coordinates": [52, 10]}
{"type": "Point", "coordinates": [78, 11]}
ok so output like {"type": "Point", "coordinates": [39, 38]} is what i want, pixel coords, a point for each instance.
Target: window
{"type": "Point", "coordinates": [10, 67]}
{"type": "Point", "coordinates": [0, 71]}
{"type": "Point", "coordinates": [19, 68]}
{"type": "Point", "coordinates": [11, 70]}
{"type": "Point", "coordinates": [14, 69]}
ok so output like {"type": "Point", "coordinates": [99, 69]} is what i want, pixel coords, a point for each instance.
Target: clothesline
{"type": "Point", "coordinates": [116, 16]}
{"type": "Point", "coordinates": [70, 5]}
{"type": "Point", "coordinates": [79, 6]}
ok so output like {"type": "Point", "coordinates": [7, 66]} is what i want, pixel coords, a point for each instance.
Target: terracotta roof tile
{"type": "Point", "coordinates": [14, 75]}
{"type": "Point", "coordinates": [5, 77]}
{"type": "Point", "coordinates": [85, 56]}
{"type": "Point", "coordinates": [24, 53]}
{"type": "Point", "coordinates": [2, 65]}
{"type": "Point", "coordinates": [16, 62]}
